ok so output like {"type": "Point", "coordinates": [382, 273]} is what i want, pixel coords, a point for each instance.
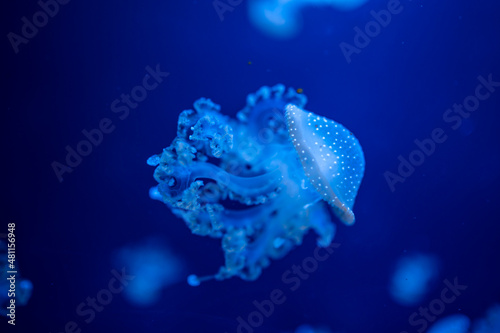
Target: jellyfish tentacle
{"type": "Point", "coordinates": [244, 186]}
{"type": "Point", "coordinates": [264, 110]}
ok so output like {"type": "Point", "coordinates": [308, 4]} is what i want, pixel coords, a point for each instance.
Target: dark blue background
{"type": "Point", "coordinates": [395, 91]}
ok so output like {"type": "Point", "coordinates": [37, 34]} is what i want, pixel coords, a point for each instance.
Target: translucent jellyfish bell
{"type": "Point", "coordinates": [331, 157]}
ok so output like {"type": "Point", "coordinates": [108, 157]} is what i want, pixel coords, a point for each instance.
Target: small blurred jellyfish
{"type": "Point", "coordinates": [489, 324]}
{"type": "Point", "coordinates": [457, 323]}
{"type": "Point", "coordinates": [413, 278]}
{"type": "Point", "coordinates": [311, 329]}
{"type": "Point", "coordinates": [282, 18]}
{"type": "Point", "coordinates": [24, 287]}
{"type": "Point", "coordinates": [154, 268]}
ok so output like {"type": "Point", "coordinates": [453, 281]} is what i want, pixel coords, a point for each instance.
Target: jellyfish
{"type": "Point", "coordinates": [260, 181]}
{"type": "Point", "coordinates": [282, 18]}
{"type": "Point", "coordinates": [457, 323]}
{"type": "Point", "coordinates": [311, 329]}
{"type": "Point", "coordinates": [490, 323]}
{"type": "Point", "coordinates": [153, 266]}
{"type": "Point", "coordinates": [24, 287]}
{"type": "Point", "coordinates": [413, 278]}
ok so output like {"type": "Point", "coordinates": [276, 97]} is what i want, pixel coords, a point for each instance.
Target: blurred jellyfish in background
{"type": "Point", "coordinates": [154, 268]}
{"type": "Point", "coordinates": [457, 323]}
{"type": "Point", "coordinates": [491, 322]}
{"type": "Point", "coordinates": [24, 287]}
{"type": "Point", "coordinates": [311, 329]}
{"type": "Point", "coordinates": [412, 279]}
{"type": "Point", "coordinates": [306, 328]}
{"type": "Point", "coordinates": [282, 18]}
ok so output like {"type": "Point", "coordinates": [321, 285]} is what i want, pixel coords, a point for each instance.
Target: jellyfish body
{"type": "Point", "coordinates": [282, 18]}
{"type": "Point", "coordinates": [457, 323]}
{"type": "Point", "coordinates": [282, 163]}
{"type": "Point", "coordinates": [311, 329]}
{"type": "Point", "coordinates": [153, 266]}
{"type": "Point", "coordinates": [413, 277]}
{"type": "Point", "coordinates": [490, 323]}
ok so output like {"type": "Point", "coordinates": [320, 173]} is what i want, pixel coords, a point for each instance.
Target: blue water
{"type": "Point", "coordinates": [71, 235]}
